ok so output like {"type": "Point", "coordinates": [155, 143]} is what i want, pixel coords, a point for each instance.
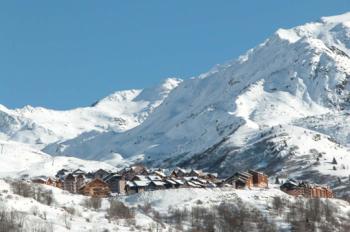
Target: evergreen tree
{"type": "Point", "coordinates": [334, 161]}
{"type": "Point", "coordinates": [277, 181]}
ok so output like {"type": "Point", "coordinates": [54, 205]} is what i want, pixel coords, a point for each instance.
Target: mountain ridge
{"type": "Point", "coordinates": [252, 112]}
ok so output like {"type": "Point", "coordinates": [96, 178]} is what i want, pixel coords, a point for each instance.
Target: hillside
{"type": "Point", "coordinates": [17, 159]}
{"type": "Point", "coordinates": [262, 110]}
{"type": "Point", "coordinates": [169, 210]}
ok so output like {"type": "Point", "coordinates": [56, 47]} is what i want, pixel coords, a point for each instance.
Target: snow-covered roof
{"type": "Point", "coordinates": [158, 183]}
{"type": "Point", "coordinates": [192, 184]}
{"type": "Point", "coordinates": [141, 183]}
{"type": "Point", "coordinates": [188, 178]}
{"type": "Point", "coordinates": [111, 176]}
{"type": "Point", "coordinates": [202, 181]}
{"type": "Point", "coordinates": [159, 173]}
{"type": "Point", "coordinates": [130, 184]}
{"type": "Point", "coordinates": [153, 177]}
{"type": "Point", "coordinates": [180, 182]}
{"type": "Point", "coordinates": [171, 182]}
{"type": "Point", "coordinates": [141, 178]}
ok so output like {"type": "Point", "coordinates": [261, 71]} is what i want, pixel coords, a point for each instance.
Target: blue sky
{"type": "Point", "coordinates": [64, 54]}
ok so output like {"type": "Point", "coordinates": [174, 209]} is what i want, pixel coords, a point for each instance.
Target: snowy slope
{"type": "Point", "coordinates": [17, 159]}
{"type": "Point", "coordinates": [68, 212]}
{"type": "Point", "coordinates": [118, 112]}
{"type": "Point", "coordinates": [295, 74]}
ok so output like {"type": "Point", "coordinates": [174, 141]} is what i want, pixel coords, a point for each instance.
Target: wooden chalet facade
{"type": "Point", "coordinates": [248, 180]}
{"type": "Point", "coordinates": [130, 173]}
{"type": "Point", "coordinates": [96, 188]}
{"type": "Point", "coordinates": [240, 180]}
{"type": "Point", "coordinates": [260, 180]}
{"type": "Point", "coordinates": [307, 190]}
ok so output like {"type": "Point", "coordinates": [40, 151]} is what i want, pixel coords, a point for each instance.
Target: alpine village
{"type": "Point", "coordinates": [138, 179]}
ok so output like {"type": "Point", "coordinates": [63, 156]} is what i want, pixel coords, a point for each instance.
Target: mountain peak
{"type": "Point", "coordinates": [342, 18]}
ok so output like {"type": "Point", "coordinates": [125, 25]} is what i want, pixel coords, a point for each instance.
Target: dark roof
{"type": "Point", "coordinates": [69, 177]}
{"type": "Point", "coordinates": [251, 171]}
{"type": "Point", "coordinates": [79, 171]}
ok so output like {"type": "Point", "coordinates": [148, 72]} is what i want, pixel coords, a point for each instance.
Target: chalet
{"type": "Point", "coordinates": [159, 173]}
{"type": "Point", "coordinates": [154, 178]}
{"type": "Point", "coordinates": [101, 174]}
{"type": "Point", "coordinates": [130, 173]}
{"type": "Point", "coordinates": [240, 180]}
{"type": "Point", "coordinates": [198, 173]}
{"type": "Point", "coordinates": [70, 183]}
{"type": "Point", "coordinates": [291, 187]}
{"type": "Point", "coordinates": [179, 182]}
{"type": "Point", "coordinates": [116, 183]}
{"type": "Point", "coordinates": [130, 187]}
{"type": "Point", "coordinates": [50, 182]}
{"type": "Point", "coordinates": [39, 180]}
{"type": "Point", "coordinates": [178, 173]}
{"type": "Point", "coordinates": [191, 184]}
{"type": "Point", "coordinates": [95, 188]}
{"type": "Point", "coordinates": [260, 180]}
{"type": "Point", "coordinates": [137, 186]}
{"type": "Point", "coordinates": [212, 176]}
{"type": "Point", "coordinates": [171, 184]}
{"type": "Point", "coordinates": [79, 181]}
{"type": "Point", "coordinates": [59, 183]}
{"type": "Point", "coordinates": [155, 185]}
{"type": "Point", "coordinates": [305, 189]}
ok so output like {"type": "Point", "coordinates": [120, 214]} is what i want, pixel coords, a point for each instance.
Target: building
{"type": "Point", "coordinates": [197, 173]}
{"type": "Point", "coordinates": [59, 183]}
{"type": "Point", "coordinates": [95, 188]}
{"type": "Point", "coordinates": [79, 181]}
{"type": "Point", "coordinates": [130, 173]}
{"type": "Point", "coordinates": [70, 183]}
{"type": "Point", "coordinates": [51, 182]}
{"type": "Point", "coordinates": [116, 183]}
{"type": "Point", "coordinates": [101, 174]}
{"type": "Point", "coordinates": [179, 172]}
{"type": "Point", "coordinates": [292, 187]}
{"type": "Point", "coordinates": [39, 180]}
{"type": "Point", "coordinates": [137, 186]}
{"type": "Point", "coordinates": [260, 180]}
{"type": "Point", "coordinates": [240, 180]}
{"type": "Point", "coordinates": [155, 185]}
{"type": "Point", "coordinates": [159, 173]}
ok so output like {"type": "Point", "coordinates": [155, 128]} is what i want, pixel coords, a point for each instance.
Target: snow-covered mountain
{"type": "Point", "coordinates": [119, 111]}
{"type": "Point", "coordinates": [282, 107]}
{"type": "Point", "coordinates": [254, 111]}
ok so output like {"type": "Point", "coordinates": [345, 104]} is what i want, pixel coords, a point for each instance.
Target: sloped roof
{"type": "Point", "coordinates": [158, 183]}
{"type": "Point", "coordinates": [111, 176]}
{"type": "Point", "coordinates": [141, 183]}
{"type": "Point", "coordinates": [170, 181]}
{"type": "Point", "coordinates": [130, 184]}
{"type": "Point", "coordinates": [159, 173]}
{"type": "Point", "coordinates": [192, 184]}
{"type": "Point", "coordinates": [180, 182]}
{"type": "Point", "coordinates": [154, 178]}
